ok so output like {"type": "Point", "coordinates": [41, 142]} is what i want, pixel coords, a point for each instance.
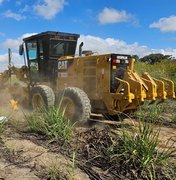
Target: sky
{"type": "Point", "coordinates": [131, 27]}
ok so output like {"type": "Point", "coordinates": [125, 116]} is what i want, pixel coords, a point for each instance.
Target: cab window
{"type": "Point", "coordinates": [32, 50]}
{"type": "Point", "coordinates": [32, 55]}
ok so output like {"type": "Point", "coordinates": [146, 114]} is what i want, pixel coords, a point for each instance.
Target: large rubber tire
{"type": "Point", "coordinates": [42, 96]}
{"type": "Point", "coordinates": [76, 104]}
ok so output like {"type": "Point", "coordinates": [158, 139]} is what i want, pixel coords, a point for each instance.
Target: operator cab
{"type": "Point", "coordinates": [43, 51]}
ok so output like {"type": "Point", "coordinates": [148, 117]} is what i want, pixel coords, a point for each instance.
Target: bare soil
{"type": "Point", "coordinates": [23, 159]}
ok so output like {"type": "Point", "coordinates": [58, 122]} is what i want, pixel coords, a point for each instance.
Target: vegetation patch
{"type": "Point", "coordinates": [52, 123]}
{"type": "Point", "coordinates": [2, 128]}
{"type": "Point", "coordinates": [3, 122]}
{"type": "Point", "coordinates": [52, 173]}
{"type": "Point", "coordinates": [149, 112]}
{"type": "Point", "coordinates": [133, 154]}
{"type": "Point", "coordinates": [102, 154]}
{"type": "Point", "coordinates": [138, 154]}
{"type": "Point", "coordinates": [163, 113]}
{"type": "Point", "coordinates": [163, 69]}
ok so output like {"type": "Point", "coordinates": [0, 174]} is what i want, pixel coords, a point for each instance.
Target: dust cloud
{"type": "Point", "coordinates": [17, 115]}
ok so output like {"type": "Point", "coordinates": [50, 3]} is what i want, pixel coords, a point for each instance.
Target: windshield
{"type": "Point", "coordinates": [62, 48]}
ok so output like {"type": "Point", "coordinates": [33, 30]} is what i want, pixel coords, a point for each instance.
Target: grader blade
{"type": "Point", "coordinates": [152, 87]}
{"type": "Point", "coordinates": [170, 90]}
{"type": "Point", "coordinates": [157, 87]}
{"type": "Point", "coordinates": [133, 90]}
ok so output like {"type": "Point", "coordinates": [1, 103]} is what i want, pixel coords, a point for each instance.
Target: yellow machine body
{"type": "Point", "coordinates": [93, 74]}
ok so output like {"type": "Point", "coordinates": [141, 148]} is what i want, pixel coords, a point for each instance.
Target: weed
{"type": "Point", "coordinates": [2, 128]}
{"type": "Point", "coordinates": [174, 118]}
{"type": "Point", "coordinates": [164, 69]}
{"type": "Point", "coordinates": [138, 151]}
{"type": "Point", "coordinates": [73, 163]}
{"type": "Point", "coordinates": [3, 122]}
{"type": "Point", "coordinates": [164, 112]}
{"type": "Point", "coordinates": [52, 123]}
{"type": "Point", "coordinates": [151, 112]}
{"type": "Point", "coordinates": [54, 173]}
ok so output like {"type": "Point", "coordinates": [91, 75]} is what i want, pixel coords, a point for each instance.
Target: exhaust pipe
{"type": "Point", "coordinates": [80, 48]}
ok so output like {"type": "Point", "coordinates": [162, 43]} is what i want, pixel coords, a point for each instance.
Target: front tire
{"type": "Point", "coordinates": [42, 96]}
{"type": "Point", "coordinates": [75, 104]}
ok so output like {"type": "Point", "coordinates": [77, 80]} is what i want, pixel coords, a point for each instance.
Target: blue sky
{"type": "Point", "coordinates": [120, 26]}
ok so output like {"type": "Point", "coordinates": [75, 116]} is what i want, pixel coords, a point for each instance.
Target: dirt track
{"type": "Point", "coordinates": [23, 159]}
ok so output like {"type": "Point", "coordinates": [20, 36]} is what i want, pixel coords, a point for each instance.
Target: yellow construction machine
{"type": "Point", "coordinates": [88, 83]}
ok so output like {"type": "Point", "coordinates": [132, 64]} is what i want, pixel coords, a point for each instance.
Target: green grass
{"type": "Point", "coordinates": [164, 69]}
{"type": "Point", "coordinates": [137, 151]}
{"type": "Point", "coordinates": [3, 126]}
{"type": "Point", "coordinates": [162, 113]}
{"type": "Point", "coordinates": [54, 173]}
{"type": "Point", "coordinates": [52, 123]}
{"type": "Point", "coordinates": [149, 112]}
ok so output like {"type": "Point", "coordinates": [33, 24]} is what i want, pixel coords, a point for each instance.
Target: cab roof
{"type": "Point", "coordinates": [53, 34]}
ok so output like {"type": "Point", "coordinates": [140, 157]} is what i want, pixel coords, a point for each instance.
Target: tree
{"type": "Point", "coordinates": [154, 58]}
{"type": "Point", "coordinates": [136, 57]}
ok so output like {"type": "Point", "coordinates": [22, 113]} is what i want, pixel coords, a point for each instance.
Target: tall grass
{"type": "Point", "coordinates": [52, 123]}
{"type": "Point", "coordinates": [163, 113]}
{"type": "Point", "coordinates": [149, 112]}
{"type": "Point", "coordinates": [137, 151]}
{"type": "Point", "coordinates": [2, 128]}
{"type": "Point", "coordinates": [3, 123]}
{"type": "Point", "coordinates": [165, 69]}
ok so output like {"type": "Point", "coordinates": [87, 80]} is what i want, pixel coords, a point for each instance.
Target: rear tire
{"type": "Point", "coordinates": [42, 96]}
{"type": "Point", "coordinates": [76, 104]}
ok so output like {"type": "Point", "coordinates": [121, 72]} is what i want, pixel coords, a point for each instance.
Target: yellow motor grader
{"type": "Point", "coordinates": [106, 83]}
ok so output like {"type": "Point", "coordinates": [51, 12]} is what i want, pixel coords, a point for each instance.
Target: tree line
{"type": "Point", "coordinates": [154, 58]}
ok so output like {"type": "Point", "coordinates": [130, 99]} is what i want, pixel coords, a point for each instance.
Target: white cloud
{"type": "Point", "coordinates": [11, 43]}
{"type": "Point", "coordinates": [96, 44]}
{"type": "Point", "coordinates": [1, 1]}
{"type": "Point", "coordinates": [17, 61]}
{"type": "Point", "coordinates": [16, 16]}
{"type": "Point", "coordinates": [165, 24]}
{"type": "Point", "coordinates": [3, 58]}
{"type": "Point", "coordinates": [110, 15]}
{"type": "Point", "coordinates": [49, 9]}
{"type": "Point", "coordinates": [14, 43]}
{"type": "Point", "coordinates": [111, 45]}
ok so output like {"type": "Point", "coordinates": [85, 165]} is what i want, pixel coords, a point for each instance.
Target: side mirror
{"type": "Point", "coordinates": [21, 49]}
{"type": "Point", "coordinates": [80, 48]}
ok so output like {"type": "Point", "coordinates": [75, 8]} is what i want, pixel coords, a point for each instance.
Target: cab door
{"type": "Point", "coordinates": [35, 56]}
